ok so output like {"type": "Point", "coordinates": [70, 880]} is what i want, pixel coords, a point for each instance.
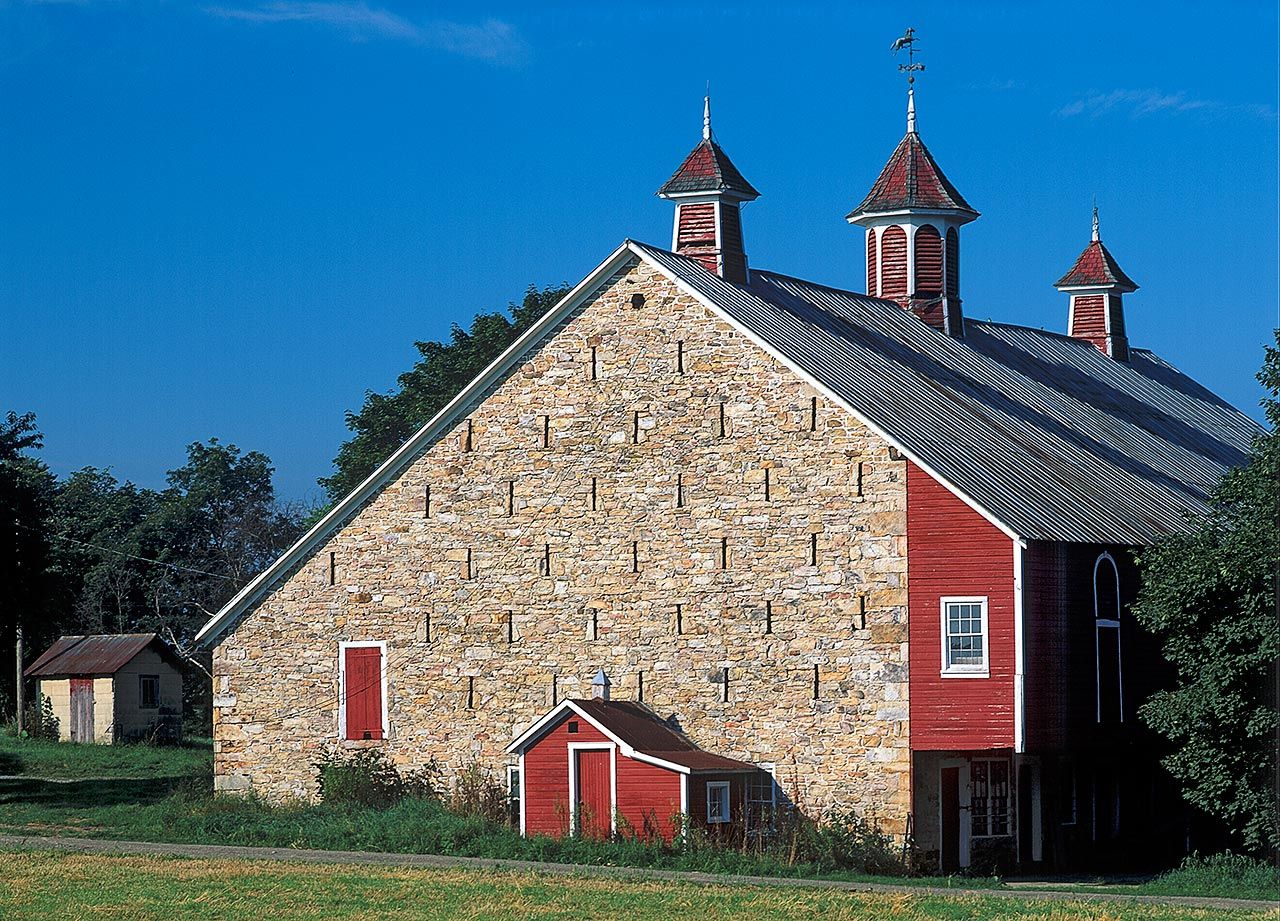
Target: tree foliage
{"type": "Point", "coordinates": [1210, 597]}
{"type": "Point", "coordinates": [387, 420]}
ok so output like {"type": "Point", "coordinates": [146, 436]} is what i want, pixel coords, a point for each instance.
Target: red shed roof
{"type": "Point", "coordinates": [912, 179]}
{"type": "Point", "coordinates": [1096, 266]}
{"type": "Point", "coordinates": [95, 655]}
{"type": "Point", "coordinates": [708, 169]}
{"type": "Point", "coordinates": [639, 732]}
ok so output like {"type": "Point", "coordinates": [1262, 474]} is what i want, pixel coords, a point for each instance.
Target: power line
{"type": "Point", "coordinates": [132, 556]}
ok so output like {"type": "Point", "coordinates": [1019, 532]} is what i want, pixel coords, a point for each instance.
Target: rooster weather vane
{"type": "Point", "coordinates": [908, 41]}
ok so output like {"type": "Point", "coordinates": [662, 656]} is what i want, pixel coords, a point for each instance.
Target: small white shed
{"type": "Point", "coordinates": [112, 688]}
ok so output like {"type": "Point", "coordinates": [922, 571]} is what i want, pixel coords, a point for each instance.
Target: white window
{"type": "Point", "coordinates": [717, 802]}
{"type": "Point", "coordinates": [964, 638]}
{"type": "Point", "coordinates": [989, 799]}
{"type": "Point", "coordinates": [513, 794]}
{"type": "Point", "coordinates": [1106, 639]}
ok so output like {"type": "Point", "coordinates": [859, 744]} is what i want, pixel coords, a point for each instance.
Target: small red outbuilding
{"type": "Point", "coordinates": [601, 767]}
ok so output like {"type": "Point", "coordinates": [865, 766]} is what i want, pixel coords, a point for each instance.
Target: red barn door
{"type": "Point", "coordinates": [594, 806]}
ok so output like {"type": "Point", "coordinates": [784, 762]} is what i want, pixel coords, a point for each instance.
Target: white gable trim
{"type": "Point", "coordinates": [395, 464]}
{"type": "Point", "coordinates": [533, 733]}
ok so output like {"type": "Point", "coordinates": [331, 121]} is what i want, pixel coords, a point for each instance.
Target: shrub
{"type": "Point", "coordinates": [366, 778]}
{"type": "Point", "coordinates": [478, 794]}
{"type": "Point", "coordinates": [1227, 875]}
{"type": "Point", "coordinates": [844, 841]}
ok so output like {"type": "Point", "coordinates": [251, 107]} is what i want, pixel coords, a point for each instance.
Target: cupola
{"type": "Point", "coordinates": [913, 215]}
{"type": "Point", "coordinates": [1096, 285]}
{"type": "Point", "coordinates": [708, 192]}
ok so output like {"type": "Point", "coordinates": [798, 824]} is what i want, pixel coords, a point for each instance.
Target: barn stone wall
{"type": "Point", "coordinates": [682, 533]}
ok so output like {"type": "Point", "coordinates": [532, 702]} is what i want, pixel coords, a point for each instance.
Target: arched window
{"type": "Point", "coordinates": [893, 263]}
{"type": "Point", "coordinates": [928, 262]}
{"type": "Point", "coordinates": [1106, 636]}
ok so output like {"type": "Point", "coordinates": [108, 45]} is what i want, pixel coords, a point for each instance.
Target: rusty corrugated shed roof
{"type": "Point", "coordinates": [103, 654]}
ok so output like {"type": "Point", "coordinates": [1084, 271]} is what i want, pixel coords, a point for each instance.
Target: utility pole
{"type": "Point", "coordinates": [18, 679]}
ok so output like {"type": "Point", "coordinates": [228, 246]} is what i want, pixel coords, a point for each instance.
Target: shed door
{"type": "Point", "coordinates": [594, 807]}
{"type": "Point", "coordinates": [81, 709]}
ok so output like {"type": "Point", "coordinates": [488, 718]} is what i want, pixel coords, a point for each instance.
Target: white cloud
{"type": "Point", "coordinates": [490, 40]}
{"type": "Point", "coordinates": [1137, 103]}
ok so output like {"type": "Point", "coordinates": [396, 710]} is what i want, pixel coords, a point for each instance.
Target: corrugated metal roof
{"type": "Point", "coordinates": [642, 729]}
{"type": "Point", "coordinates": [1051, 437]}
{"type": "Point", "coordinates": [94, 655]}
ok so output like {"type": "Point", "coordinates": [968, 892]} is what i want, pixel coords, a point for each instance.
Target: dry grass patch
{"type": "Point", "coordinates": [36, 885]}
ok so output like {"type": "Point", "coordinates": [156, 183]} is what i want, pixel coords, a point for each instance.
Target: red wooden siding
{"type": "Point", "coordinates": [698, 801]}
{"type": "Point", "coordinates": [696, 235]}
{"type": "Point", "coordinates": [952, 550]}
{"type": "Point", "coordinates": [364, 692]}
{"type": "Point", "coordinates": [648, 796]}
{"type": "Point", "coordinates": [1089, 320]}
{"type": "Point", "coordinates": [893, 263]}
{"type": "Point", "coordinates": [871, 261]}
{"type": "Point", "coordinates": [953, 262]}
{"type": "Point", "coordinates": [928, 262]}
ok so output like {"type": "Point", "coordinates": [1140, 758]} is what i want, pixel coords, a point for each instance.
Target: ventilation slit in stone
{"type": "Point", "coordinates": [724, 553]}
{"type": "Point", "coordinates": [637, 301]}
{"type": "Point", "coordinates": [333, 568]}
{"type": "Point", "coordinates": [511, 498]}
{"type": "Point", "coordinates": [511, 627]}
{"type": "Point", "coordinates": [635, 556]}
{"type": "Point", "coordinates": [640, 686]}
{"type": "Point", "coordinates": [766, 485]}
{"type": "Point", "coordinates": [593, 493]}
{"type": "Point", "coordinates": [679, 619]}
{"type": "Point", "coordinates": [546, 560]}
{"type": "Point", "coordinates": [555, 689]}
{"type": "Point", "coordinates": [467, 436]}
{"type": "Point", "coordinates": [724, 684]}
{"type": "Point", "coordinates": [858, 479]}
{"type": "Point", "coordinates": [680, 357]}
{"type": "Point", "coordinates": [813, 414]}
{"type": "Point", "coordinates": [595, 368]}
{"type": "Point", "coordinates": [768, 617]}
{"type": "Point", "coordinates": [813, 549]}
{"type": "Point", "coordinates": [679, 490]}
{"type": "Point", "coordinates": [722, 426]}
{"type": "Point", "coordinates": [426, 627]}
{"type": "Point", "coordinates": [595, 624]}
{"type": "Point", "coordinates": [426, 501]}
{"type": "Point", "coordinates": [635, 427]}
{"type": "Point", "coordinates": [466, 569]}
{"type": "Point", "coordinates": [815, 682]}
{"type": "Point", "coordinates": [471, 692]}
{"type": "Point", "coordinates": [546, 431]}
{"type": "Point", "coordinates": [862, 612]}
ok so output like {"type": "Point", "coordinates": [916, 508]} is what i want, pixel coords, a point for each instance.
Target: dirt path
{"type": "Point", "coordinates": [432, 861]}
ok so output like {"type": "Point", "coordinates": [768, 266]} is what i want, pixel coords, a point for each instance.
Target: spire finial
{"type": "Point", "coordinates": [1096, 236]}
{"type": "Point", "coordinates": [908, 41]}
{"type": "Point", "coordinates": [706, 114]}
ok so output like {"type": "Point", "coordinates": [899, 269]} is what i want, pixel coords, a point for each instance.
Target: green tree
{"type": "Point", "coordinates": [1210, 597]}
{"type": "Point", "coordinates": [26, 591]}
{"type": "Point", "coordinates": [387, 420]}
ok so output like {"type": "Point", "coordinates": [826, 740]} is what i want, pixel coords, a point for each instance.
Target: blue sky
{"type": "Point", "coordinates": [232, 219]}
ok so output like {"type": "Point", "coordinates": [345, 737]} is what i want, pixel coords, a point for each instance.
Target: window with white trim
{"type": "Point", "coordinates": [513, 794]}
{"type": "Point", "coordinates": [964, 637]}
{"type": "Point", "coordinates": [1106, 640]}
{"type": "Point", "coordinates": [717, 802]}
{"type": "Point", "coordinates": [989, 799]}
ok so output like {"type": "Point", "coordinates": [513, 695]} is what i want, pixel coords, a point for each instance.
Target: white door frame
{"type": "Point", "coordinates": [574, 748]}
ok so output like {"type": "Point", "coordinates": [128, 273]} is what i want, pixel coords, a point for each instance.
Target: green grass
{"type": "Point", "coordinates": [63, 760]}
{"type": "Point", "coordinates": [39, 886]}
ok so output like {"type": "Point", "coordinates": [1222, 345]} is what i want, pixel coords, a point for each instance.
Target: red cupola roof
{"type": "Point", "coordinates": [708, 169]}
{"type": "Point", "coordinates": [912, 179]}
{"type": "Point", "coordinates": [1096, 267]}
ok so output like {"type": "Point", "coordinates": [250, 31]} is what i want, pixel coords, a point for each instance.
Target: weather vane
{"type": "Point", "coordinates": [907, 41]}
